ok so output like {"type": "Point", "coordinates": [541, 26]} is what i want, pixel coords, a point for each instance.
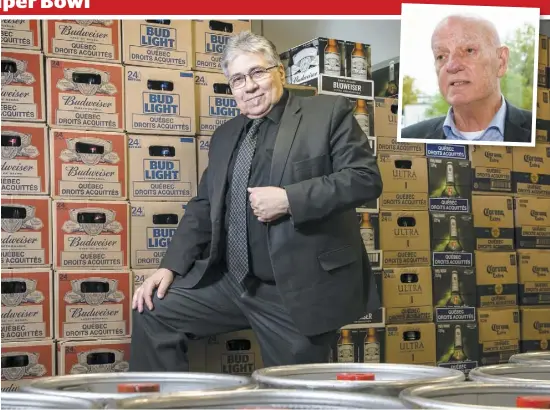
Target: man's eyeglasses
{"type": "Point", "coordinates": [256, 74]}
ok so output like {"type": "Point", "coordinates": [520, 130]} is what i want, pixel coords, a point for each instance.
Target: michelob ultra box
{"type": "Point", "coordinates": [21, 34]}
{"type": "Point", "coordinates": [85, 95]}
{"type": "Point", "coordinates": [211, 37]}
{"type": "Point", "coordinates": [23, 362]}
{"type": "Point", "coordinates": [162, 168]}
{"type": "Point", "coordinates": [90, 40]}
{"type": "Point", "coordinates": [93, 356]}
{"type": "Point", "coordinates": [157, 43]}
{"type": "Point", "coordinates": [25, 159]}
{"type": "Point", "coordinates": [26, 231]}
{"type": "Point", "coordinates": [215, 103]}
{"type": "Point", "coordinates": [203, 148]}
{"type": "Point", "coordinates": [91, 235]}
{"type": "Point", "coordinates": [152, 225]}
{"type": "Point", "coordinates": [159, 101]}
{"type": "Point", "coordinates": [88, 165]}
{"type": "Point", "coordinates": [23, 97]}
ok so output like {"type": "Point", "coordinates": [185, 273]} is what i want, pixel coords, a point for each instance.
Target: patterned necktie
{"type": "Point", "coordinates": [237, 236]}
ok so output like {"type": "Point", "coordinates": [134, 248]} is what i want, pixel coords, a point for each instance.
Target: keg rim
{"type": "Point", "coordinates": [493, 373]}
{"type": "Point", "coordinates": [530, 357]}
{"type": "Point", "coordinates": [20, 397]}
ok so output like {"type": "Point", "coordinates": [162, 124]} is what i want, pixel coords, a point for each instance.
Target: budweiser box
{"type": "Point", "coordinates": [152, 225]}
{"type": "Point", "coordinates": [157, 43]}
{"type": "Point", "coordinates": [535, 328]}
{"type": "Point", "coordinates": [532, 221]}
{"type": "Point", "coordinates": [499, 334]}
{"type": "Point", "coordinates": [92, 304]}
{"type": "Point", "coordinates": [457, 346]}
{"type": "Point", "coordinates": [405, 180]}
{"type": "Point", "coordinates": [162, 168]}
{"type": "Point", "coordinates": [491, 168]}
{"type": "Point", "coordinates": [497, 279]}
{"type": "Point", "coordinates": [385, 124]}
{"type": "Point", "coordinates": [27, 361]}
{"type": "Point", "coordinates": [369, 225]}
{"type": "Point", "coordinates": [27, 304]}
{"type": "Point", "coordinates": [358, 345]}
{"type": "Point", "coordinates": [452, 239]}
{"type": "Point", "coordinates": [203, 148]}
{"type": "Point", "coordinates": [534, 277]}
{"type": "Point", "coordinates": [85, 95]}
{"type": "Point", "coordinates": [235, 353]}
{"type": "Point", "coordinates": [454, 294]}
{"type": "Point", "coordinates": [390, 146]}
{"type": "Point", "coordinates": [407, 295]}
{"type": "Point", "coordinates": [210, 39]}
{"type": "Point", "coordinates": [88, 165]}
{"type": "Point", "coordinates": [140, 276]}
{"type": "Point", "coordinates": [89, 40]}
{"type": "Point", "coordinates": [25, 159]}
{"type": "Point", "coordinates": [91, 235]}
{"type": "Point", "coordinates": [405, 238]}
{"type": "Point", "coordinates": [215, 104]}
{"type": "Point", "coordinates": [23, 97]}
{"type": "Point", "coordinates": [26, 231]}
{"type": "Point", "coordinates": [95, 356]}
{"type": "Point", "coordinates": [449, 185]}
{"type": "Point", "coordinates": [493, 222]}
{"type": "Point", "coordinates": [531, 171]}
{"type": "Point", "coordinates": [21, 34]}
{"type": "Point", "coordinates": [411, 344]}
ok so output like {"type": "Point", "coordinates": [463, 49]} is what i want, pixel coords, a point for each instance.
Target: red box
{"type": "Point", "coordinates": [78, 357]}
{"type": "Point", "coordinates": [24, 34]}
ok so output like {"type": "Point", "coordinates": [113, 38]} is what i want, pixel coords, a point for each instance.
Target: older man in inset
{"type": "Point", "coordinates": [470, 60]}
{"type": "Point", "coordinates": [271, 241]}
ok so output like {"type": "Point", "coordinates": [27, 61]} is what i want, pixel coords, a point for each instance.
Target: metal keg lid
{"type": "Point", "coordinates": [537, 373]}
{"type": "Point", "coordinates": [469, 396]}
{"type": "Point", "coordinates": [324, 376]}
{"type": "Point", "coordinates": [270, 398]}
{"type": "Point", "coordinates": [530, 357]}
{"type": "Point", "coordinates": [104, 386]}
{"type": "Point", "coordinates": [21, 401]}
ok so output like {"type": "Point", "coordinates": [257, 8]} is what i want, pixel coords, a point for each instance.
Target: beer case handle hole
{"type": "Point", "coordinates": [238, 345]}
{"type": "Point", "coordinates": [403, 164]}
{"type": "Point", "coordinates": [165, 219]}
{"type": "Point", "coordinates": [163, 22]}
{"type": "Point", "coordinates": [94, 287]}
{"type": "Point", "coordinates": [91, 218]}
{"type": "Point", "coordinates": [162, 151]}
{"type": "Point", "coordinates": [411, 335]}
{"type": "Point", "coordinates": [220, 88]}
{"type": "Point", "coordinates": [220, 26]}
{"type": "Point", "coordinates": [21, 360]}
{"type": "Point", "coordinates": [85, 148]}
{"type": "Point", "coordinates": [13, 212]}
{"type": "Point", "coordinates": [409, 278]}
{"type": "Point", "coordinates": [100, 358]}
{"type": "Point", "coordinates": [406, 221]}
{"type": "Point", "coordinates": [159, 85]}
{"type": "Point", "coordinates": [394, 107]}
{"type": "Point", "coordinates": [11, 140]}
{"type": "Point", "coordinates": [15, 286]}
{"type": "Point", "coordinates": [87, 78]}
{"type": "Point", "coordinates": [9, 67]}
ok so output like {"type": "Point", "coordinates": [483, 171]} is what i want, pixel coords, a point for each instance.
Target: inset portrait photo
{"type": "Point", "coordinates": [468, 74]}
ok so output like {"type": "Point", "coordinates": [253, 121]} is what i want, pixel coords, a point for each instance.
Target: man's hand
{"type": "Point", "coordinates": [268, 203]}
{"type": "Point", "coordinates": [161, 279]}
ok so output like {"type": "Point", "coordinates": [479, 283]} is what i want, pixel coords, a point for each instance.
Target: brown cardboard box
{"type": "Point", "coordinates": [210, 37]}
{"type": "Point", "coordinates": [140, 276]}
{"type": "Point", "coordinates": [499, 334]}
{"type": "Point", "coordinates": [491, 168]}
{"type": "Point", "coordinates": [531, 172]}
{"type": "Point", "coordinates": [27, 304]}
{"type": "Point", "coordinates": [543, 104]}
{"type": "Point", "coordinates": [26, 231]}
{"type": "Point", "coordinates": [160, 101]}
{"type": "Point", "coordinates": [23, 97]}
{"type": "Point", "coordinates": [493, 222]}
{"type": "Point", "coordinates": [80, 40]}
{"type": "Point", "coordinates": [88, 165]}
{"type": "Point", "coordinates": [93, 356]}
{"type": "Point", "coordinates": [162, 168]}
{"type": "Point", "coordinates": [24, 34]}
{"type": "Point", "coordinates": [152, 225]}
{"type": "Point", "coordinates": [532, 221]}
{"type": "Point", "coordinates": [390, 146]}
{"type": "Point", "coordinates": [215, 104]}
{"type": "Point", "coordinates": [75, 103]}
{"type": "Point", "coordinates": [92, 304]}
{"type": "Point", "coordinates": [407, 295]}
{"type": "Point", "coordinates": [543, 50]}
{"type": "Point", "coordinates": [542, 80]}
{"type": "Point", "coordinates": [38, 359]}
{"type": "Point", "coordinates": [357, 344]}
{"type": "Point", "coordinates": [157, 43]}
{"type": "Point", "coordinates": [534, 277]}
{"type": "Point", "coordinates": [411, 344]}
{"type": "Point", "coordinates": [405, 180]}
{"type": "Point", "coordinates": [203, 147]}
{"type": "Point", "coordinates": [385, 120]}
{"type": "Point", "coordinates": [535, 328]}
{"type": "Point", "coordinates": [496, 279]}
{"type": "Point", "coordinates": [90, 235]}
{"type": "Point", "coordinates": [235, 353]}
{"type": "Point", "coordinates": [25, 159]}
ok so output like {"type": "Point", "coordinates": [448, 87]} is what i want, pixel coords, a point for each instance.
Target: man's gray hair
{"type": "Point", "coordinates": [248, 42]}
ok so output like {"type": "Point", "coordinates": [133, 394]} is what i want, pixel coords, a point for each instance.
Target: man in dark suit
{"type": "Point", "coordinates": [271, 241]}
{"type": "Point", "coordinates": [470, 61]}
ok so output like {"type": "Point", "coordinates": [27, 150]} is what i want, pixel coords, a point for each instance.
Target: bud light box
{"type": "Point", "coordinates": [40, 356]}
{"type": "Point", "coordinates": [152, 225]}
{"type": "Point", "coordinates": [203, 148]}
{"type": "Point", "coordinates": [160, 101]}
{"type": "Point", "coordinates": [83, 95]}
{"type": "Point", "coordinates": [89, 40]}
{"type": "Point", "coordinates": [157, 43]}
{"type": "Point", "coordinates": [452, 239]}
{"type": "Point", "coordinates": [23, 97]}
{"type": "Point", "coordinates": [215, 102]}
{"type": "Point", "coordinates": [88, 165]}
{"type": "Point", "coordinates": [449, 185]}
{"type": "Point", "coordinates": [236, 353]}
{"type": "Point", "coordinates": [211, 37]}
{"type": "Point", "coordinates": [162, 168]}
{"type": "Point", "coordinates": [23, 34]}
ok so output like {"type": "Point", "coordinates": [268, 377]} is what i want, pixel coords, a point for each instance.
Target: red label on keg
{"type": "Point", "coordinates": [355, 376]}
{"type": "Point", "coordinates": [534, 402]}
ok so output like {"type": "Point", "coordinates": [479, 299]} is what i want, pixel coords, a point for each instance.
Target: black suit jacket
{"type": "Point", "coordinates": [517, 127]}
{"type": "Point", "coordinates": [323, 160]}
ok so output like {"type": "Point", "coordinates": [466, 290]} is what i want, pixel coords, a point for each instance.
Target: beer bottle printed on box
{"type": "Point", "coordinates": [371, 347]}
{"type": "Point", "coordinates": [455, 299]}
{"type": "Point", "coordinates": [454, 243]}
{"type": "Point", "coordinates": [362, 115]}
{"type": "Point", "coordinates": [359, 63]}
{"type": "Point", "coordinates": [332, 58]}
{"type": "Point", "coordinates": [458, 354]}
{"type": "Point", "coordinates": [450, 189]}
{"type": "Point", "coordinates": [346, 347]}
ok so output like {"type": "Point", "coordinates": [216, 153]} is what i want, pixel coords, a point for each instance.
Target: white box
{"type": "Point", "coordinates": [25, 34]}
{"type": "Point", "coordinates": [140, 276]}
{"type": "Point", "coordinates": [235, 353]}
{"type": "Point", "coordinates": [203, 148]}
